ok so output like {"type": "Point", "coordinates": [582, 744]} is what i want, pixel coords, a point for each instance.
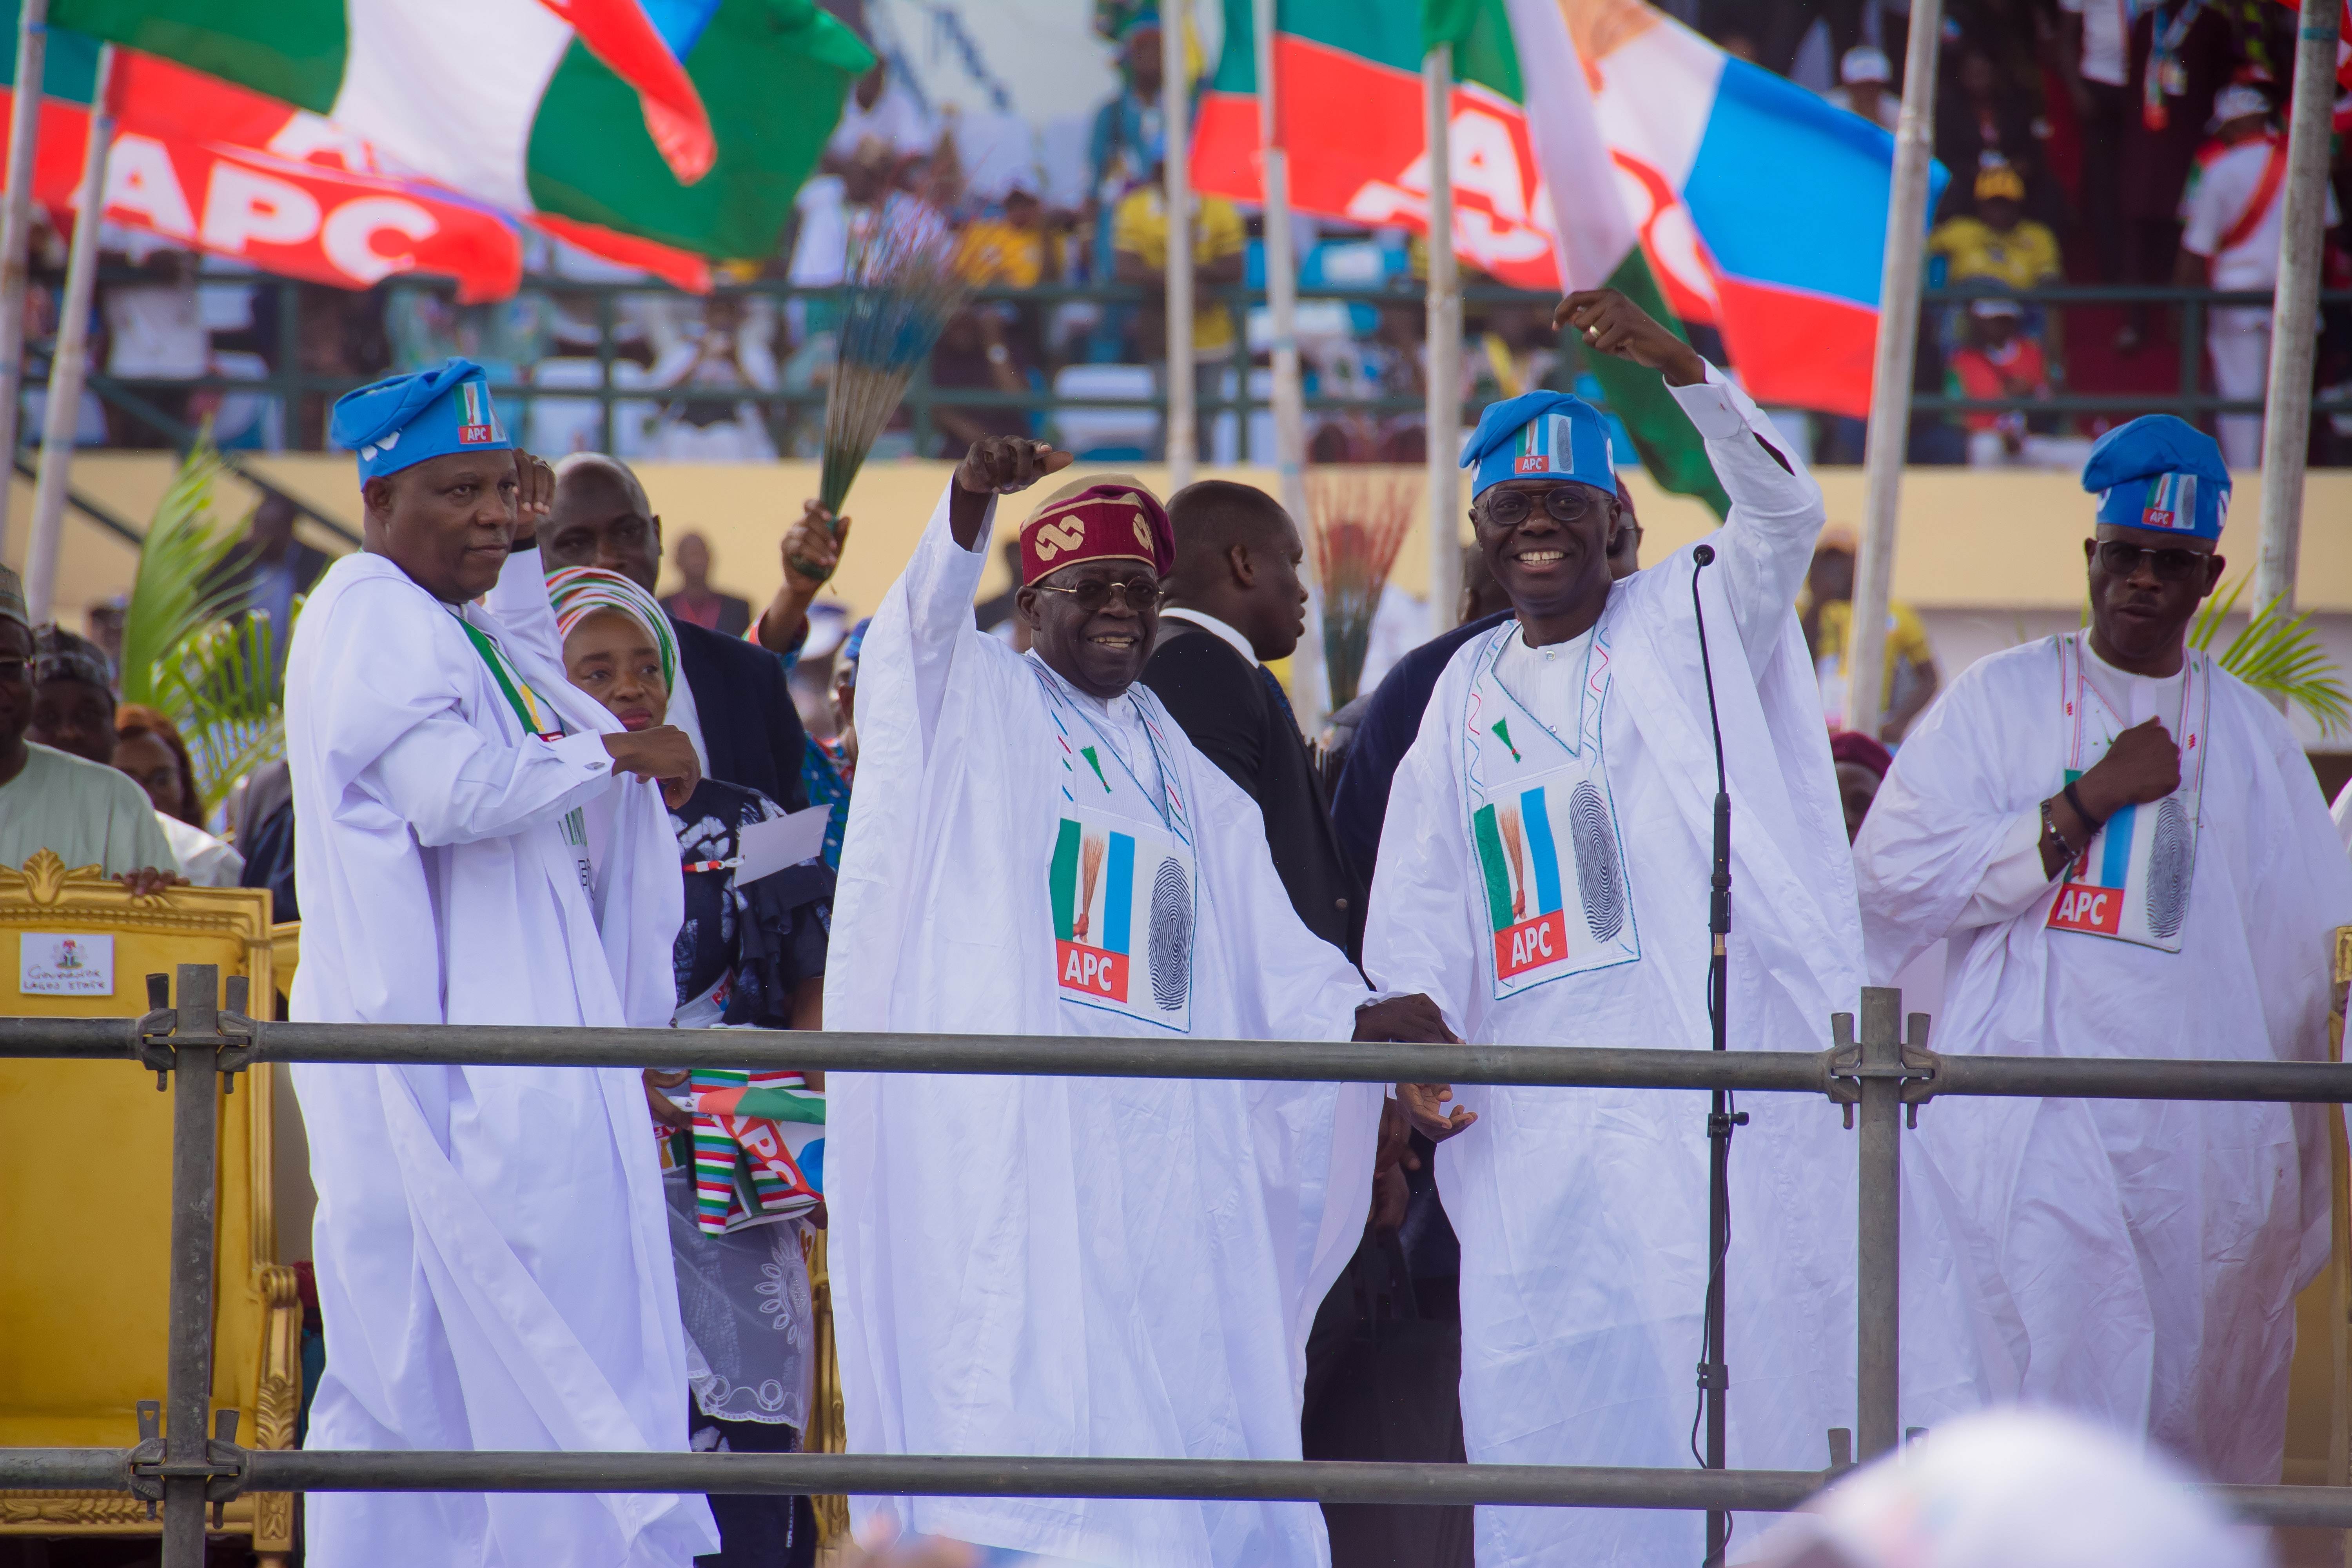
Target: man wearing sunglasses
{"type": "Point", "coordinates": [1544, 874]}
{"type": "Point", "coordinates": [2131, 857]}
{"type": "Point", "coordinates": [1072, 1264]}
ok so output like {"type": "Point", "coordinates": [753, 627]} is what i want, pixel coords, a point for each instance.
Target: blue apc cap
{"type": "Point", "coordinates": [2162, 473]}
{"type": "Point", "coordinates": [1542, 435]}
{"type": "Point", "coordinates": [403, 420]}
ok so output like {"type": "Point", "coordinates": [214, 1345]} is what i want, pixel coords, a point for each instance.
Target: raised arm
{"type": "Point", "coordinates": [1776, 507]}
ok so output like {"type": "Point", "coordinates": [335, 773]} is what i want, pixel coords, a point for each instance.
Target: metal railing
{"type": "Point", "coordinates": [291, 385]}
{"type": "Point", "coordinates": [185, 1462]}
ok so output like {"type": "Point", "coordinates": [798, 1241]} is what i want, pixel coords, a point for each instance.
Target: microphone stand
{"type": "Point", "coordinates": [1714, 1375]}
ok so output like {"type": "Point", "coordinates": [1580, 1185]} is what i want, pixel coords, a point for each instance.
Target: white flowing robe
{"type": "Point", "coordinates": [1067, 1266]}
{"type": "Point", "coordinates": [492, 1248]}
{"type": "Point", "coordinates": [1583, 1213]}
{"type": "Point", "coordinates": [2153, 1248]}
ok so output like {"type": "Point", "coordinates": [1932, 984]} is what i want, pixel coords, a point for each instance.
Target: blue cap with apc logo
{"type": "Point", "coordinates": [1541, 436]}
{"type": "Point", "coordinates": [403, 420]}
{"type": "Point", "coordinates": [2161, 473]}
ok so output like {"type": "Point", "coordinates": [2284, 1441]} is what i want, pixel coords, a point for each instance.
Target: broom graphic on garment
{"type": "Point", "coordinates": [1090, 859]}
{"type": "Point", "coordinates": [903, 287]}
{"type": "Point", "coordinates": [1359, 522]}
{"type": "Point", "coordinates": [1514, 843]}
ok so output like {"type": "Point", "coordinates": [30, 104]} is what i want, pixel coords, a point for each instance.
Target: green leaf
{"type": "Point", "coordinates": [2277, 652]}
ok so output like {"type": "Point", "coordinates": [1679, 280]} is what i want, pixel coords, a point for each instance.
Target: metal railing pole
{"type": "Point", "coordinates": [196, 1121]}
{"type": "Point", "coordinates": [16, 228]}
{"type": "Point", "coordinates": [1878, 1269]}
{"type": "Point", "coordinates": [1443, 336]}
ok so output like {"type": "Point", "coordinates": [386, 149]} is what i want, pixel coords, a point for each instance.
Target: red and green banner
{"type": "Point", "coordinates": [1351, 114]}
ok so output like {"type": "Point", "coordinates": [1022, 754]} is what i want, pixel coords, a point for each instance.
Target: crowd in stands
{"type": "Point", "coordinates": [2084, 142]}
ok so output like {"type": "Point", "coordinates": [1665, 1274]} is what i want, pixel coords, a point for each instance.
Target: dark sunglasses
{"type": "Point", "coordinates": [2171, 565]}
{"type": "Point", "coordinates": [1093, 593]}
{"type": "Point", "coordinates": [1568, 503]}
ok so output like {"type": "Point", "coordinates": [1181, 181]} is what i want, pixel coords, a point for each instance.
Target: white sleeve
{"type": "Point", "coordinates": [940, 581]}
{"type": "Point", "coordinates": [525, 614]}
{"type": "Point", "coordinates": [455, 785]}
{"type": "Point", "coordinates": [2013, 880]}
{"type": "Point", "coordinates": [1777, 510]}
{"type": "Point", "coordinates": [1417, 936]}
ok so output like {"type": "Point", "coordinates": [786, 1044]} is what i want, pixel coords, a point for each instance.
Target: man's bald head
{"type": "Point", "coordinates": [1237, 558]}
{"type": "Point", "coordinates": [602, 517]}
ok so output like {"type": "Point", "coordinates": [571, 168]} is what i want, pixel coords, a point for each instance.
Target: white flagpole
{"type": "Point", "coordinates": [1306, 680]}
{"type": "Point", "coordinates": [1445, 349]}
{"type": "Point", "coordinates": [59, 418]}
{"type": "Point", "coordinates": [16, 231]}
{"type": "Point", "coordinates": [1176, 116]}
{"type": "Point", "coordinates": [2287, 415]}
{"type": "Point", "coordinates": [1890, 389]}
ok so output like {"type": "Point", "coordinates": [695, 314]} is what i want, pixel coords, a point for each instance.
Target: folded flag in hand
{"type": "Point", "coordinates": [759, 1148]}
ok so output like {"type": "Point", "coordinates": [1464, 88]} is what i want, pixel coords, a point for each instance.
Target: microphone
{"type": "Point", "coordinates": [1714, 1375]}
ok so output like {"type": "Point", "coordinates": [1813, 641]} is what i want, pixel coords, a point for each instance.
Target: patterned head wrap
{"type": "Point", "coordinates": [1108, 518]}
{"type": "Point", "coordinates": [579, 591]}
{"type": "Point", "coordinates": [60, 654]}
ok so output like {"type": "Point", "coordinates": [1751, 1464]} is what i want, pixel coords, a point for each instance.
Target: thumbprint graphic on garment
{"type": "Point", "coordinates": [1170, 939]}
{"type": "Point", "coordinates": [2168, 870]}
{"type": "Point", "coordinates": [1596, 863]}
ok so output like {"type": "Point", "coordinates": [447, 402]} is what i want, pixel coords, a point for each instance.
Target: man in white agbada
{"type": "Point", "coordinates": [1100, 1266]}
{"type": "Point", "coordinates": [492, 1250]}
{"type": "Point", "coordinates": [2131, 857]}
{"type": "Point", "coordinates": [1544, 874]}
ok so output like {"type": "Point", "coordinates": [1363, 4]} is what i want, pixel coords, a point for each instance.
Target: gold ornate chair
{"type": "Point", "coordinates": [86, 1162]}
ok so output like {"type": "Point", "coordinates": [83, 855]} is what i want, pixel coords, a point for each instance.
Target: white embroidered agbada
{"type": "Point", "coordinates": [1104, 1266]}
{"type": "Point", "coordinates": [2153, 1248]}
{"type": "Point", "coordinates": [1578, 916]}
{"type": "Point", "coordinates": [492, 1248]}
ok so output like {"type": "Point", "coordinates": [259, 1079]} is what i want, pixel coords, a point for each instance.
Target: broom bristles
{"type": "Point", "coordinates": [903, 287]}
{"type": "Point", "coordinates": [1359, 521]}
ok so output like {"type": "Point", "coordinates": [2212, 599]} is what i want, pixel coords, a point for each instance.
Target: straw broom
{"type": "Point", "coordinates": [1359, 521]}
{"type": "Point", "coordinates": [903, 287]}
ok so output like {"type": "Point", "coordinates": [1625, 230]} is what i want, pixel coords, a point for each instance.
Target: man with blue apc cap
{"type": "Point", "coordinates": [478, 842]}
{"type": "Point", "coordinates": [1544, 874]}
{"type": "Point", "coordinates": [2130, 857]}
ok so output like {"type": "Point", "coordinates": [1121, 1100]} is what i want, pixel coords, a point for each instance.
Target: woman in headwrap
{"type": "Point", "coordinates": [742, 1152]}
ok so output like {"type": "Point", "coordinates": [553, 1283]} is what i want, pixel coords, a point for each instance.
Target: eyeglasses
{"type": "Point", "coordinates": [2171, 565]}
{"type": "Point", "coordinates": [1093, 593]}
{"type": "Point", "coordinates": [1568, 503]}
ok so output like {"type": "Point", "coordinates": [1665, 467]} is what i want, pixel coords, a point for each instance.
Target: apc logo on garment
{"type": "Point", "coordinates": [1529, 945]}
{"type": "Point", "coordinates": [474, 425]}
{"type": "Point", "coordinates": [2151, 518]}
{"type": "Point", "coordinates": [1533, 463]}
{"type": "Point", "coordinates": [2087, 907]}
{"type": "Point", "coordinates": [1093, 971]}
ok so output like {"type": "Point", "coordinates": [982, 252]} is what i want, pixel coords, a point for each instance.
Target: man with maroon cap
{"type": "Point", "coordinates": [1076, 1266]}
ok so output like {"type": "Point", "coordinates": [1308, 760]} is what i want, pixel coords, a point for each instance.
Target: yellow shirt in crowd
{"type": "Point", "coordinates": [1140, 225]}
{"type": "Point", "coordinates": [2020, 258]}
{"type": "Point", "coordinates": [1907, 637]}
{"type": "Point", "coordinates": [997, 252]}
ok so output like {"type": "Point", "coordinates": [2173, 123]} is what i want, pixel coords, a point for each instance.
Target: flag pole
{"type": "Point", "coordinates": [1445, 349]}
{"type": "Point", "coordinates": [2286, 413]}
{"type": "Point", "coordinates": [60, 417]}
{"type": "Point", "coordinates": [16, 228]}
{"type": "Point", "coordinates": [1176, 112]}
{"type": "Point", "coordinates": [1306, 688]}
{"type": "Point", "coordinates": [1890, 383]}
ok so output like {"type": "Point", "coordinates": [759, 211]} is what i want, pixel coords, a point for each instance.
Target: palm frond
{"type": "Point", "coordinates": [2277, 652]}
{"type": "Point", "coordinates": [180, 588]}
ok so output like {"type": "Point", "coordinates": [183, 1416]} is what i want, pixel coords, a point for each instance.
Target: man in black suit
{"type": "Point", "coordinates": [738, 711]}
{"type": "Point", "coordinates": [1236, 600]}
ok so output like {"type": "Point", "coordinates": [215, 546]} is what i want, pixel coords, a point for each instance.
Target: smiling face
{"type": "Point", "coordinates": [448, 522]}
{"type": "Point", "coordinates": [1546, 566]}
{"type": "Point", "coordinates": [613, 659]}
{"type": "Point", "coordinates": [1098, 651]}
{"type": "Point", "coordinates": [2138, 617]}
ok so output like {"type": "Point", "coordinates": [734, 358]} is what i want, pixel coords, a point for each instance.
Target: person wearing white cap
{"type": "Point", "coordinates": [492, 1247]}
{"type": "Point", "coordinates": [1544, 874]}
{"type": "Point", "coordinates": [2129, 856]}
{"type": "Point", "coordinates": [1863, 76]}
{"type": "Point", "coordinates": [2234, 210]}
{"type": "Point", "coordinates": [2012, 1489]}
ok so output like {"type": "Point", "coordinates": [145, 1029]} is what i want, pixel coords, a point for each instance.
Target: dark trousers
{"type": "Point", "coordinates": [754, 1532]}
{"type": "Point", "coordinates": [2103, 143]}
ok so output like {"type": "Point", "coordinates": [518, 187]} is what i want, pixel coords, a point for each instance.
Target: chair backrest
{"type": "Point", "coordinates": [86, 1162]}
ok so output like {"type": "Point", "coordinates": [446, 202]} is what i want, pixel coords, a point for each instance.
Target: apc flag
{"type": "Point", "coordinates": [695, 131]}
